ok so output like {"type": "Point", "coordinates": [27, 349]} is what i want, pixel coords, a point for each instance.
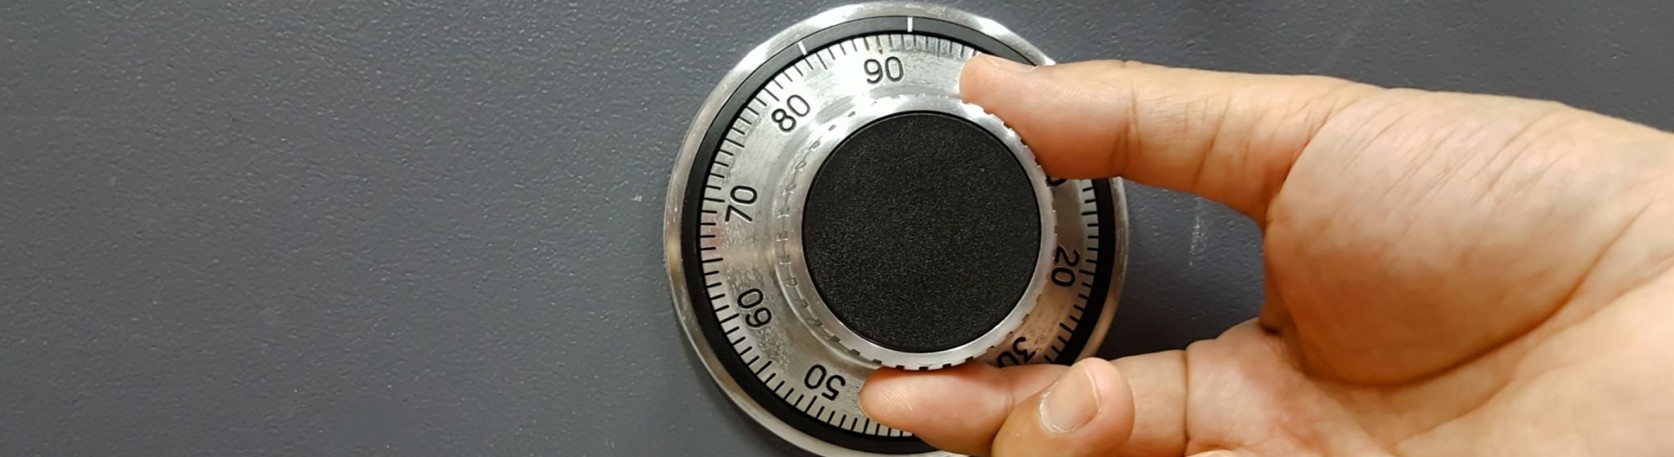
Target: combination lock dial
{"type": "Point", "coordinates": [837, 208]}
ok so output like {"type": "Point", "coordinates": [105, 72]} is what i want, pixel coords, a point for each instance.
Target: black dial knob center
{"type": "Point", "coordinates": [921, 231]}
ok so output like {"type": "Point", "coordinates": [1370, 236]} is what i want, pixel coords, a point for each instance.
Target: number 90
{"type": "Point", "coordinates": [889, 68]}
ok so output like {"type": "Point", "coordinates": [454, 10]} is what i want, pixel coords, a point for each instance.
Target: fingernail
{"type": "Point", "coordinates": [1070, 403]}
{"type": "Point", "coordinates": [1009, 65]}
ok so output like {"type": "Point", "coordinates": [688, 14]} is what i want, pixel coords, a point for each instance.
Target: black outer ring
{"type": "Point", "coordinates": [702, 306]}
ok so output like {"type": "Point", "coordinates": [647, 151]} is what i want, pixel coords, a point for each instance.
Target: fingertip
{"type": "Point", "coordinates": [1087, 411]}
{"type": "Point", "coordinates": [917, 400]}
{"type": "Point", "coordinates": [982, 77]}
{"type": "Point", "coordinates": [1056, 109]}
{"type": "Point", "coordinates": [1107, 393]}
{"type": "Point", "coordinates": [1115, 396]}
{"type": "Point", "coordinates": [957, 409]}
{"type": "Point", "coordinates": [874, 392]}
{"type": "Point", "coordinates": [886, 396]}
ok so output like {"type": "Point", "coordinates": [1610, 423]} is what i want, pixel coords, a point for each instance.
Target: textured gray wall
{"type": "Point", "coordinates": [383, 228]}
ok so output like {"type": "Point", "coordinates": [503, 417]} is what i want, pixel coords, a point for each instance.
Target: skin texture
{"type": "Point", "coordinates": [1447, 274]}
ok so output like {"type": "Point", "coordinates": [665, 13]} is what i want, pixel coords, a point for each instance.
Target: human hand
{"type": "Point", "coordinates": [1447, 274]}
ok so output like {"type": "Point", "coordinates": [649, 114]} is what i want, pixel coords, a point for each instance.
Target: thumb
{"type": "Point", "coordinates": [1229, 137]}
{"type": "Point", "coordinates": [1089, 411]}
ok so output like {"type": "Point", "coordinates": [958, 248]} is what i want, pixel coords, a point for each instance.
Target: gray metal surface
{"type": "Point", "coordinates": [397, 229]}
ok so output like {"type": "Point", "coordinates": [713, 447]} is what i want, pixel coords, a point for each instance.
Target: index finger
{"type": "Point", "coordinates": [1229, 137]}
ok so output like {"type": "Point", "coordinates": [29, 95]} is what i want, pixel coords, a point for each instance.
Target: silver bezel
{"type": "Point", "coordinates": [673, 215]}
{"type": "Point", "coordinates": [795, 277]}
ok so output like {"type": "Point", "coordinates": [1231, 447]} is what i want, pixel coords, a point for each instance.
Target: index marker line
{"type": "Point", "coordinates": [909, 24]}
{"type": "Point", "coordinates": [804, 49]}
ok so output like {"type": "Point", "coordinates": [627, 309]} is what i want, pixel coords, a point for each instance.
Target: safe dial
{"type": "Point", "coordinates": [837, 208]}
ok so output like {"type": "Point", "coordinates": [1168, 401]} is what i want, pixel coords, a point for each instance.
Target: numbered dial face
{"type": "Point", "coordinates": [837, 208]}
